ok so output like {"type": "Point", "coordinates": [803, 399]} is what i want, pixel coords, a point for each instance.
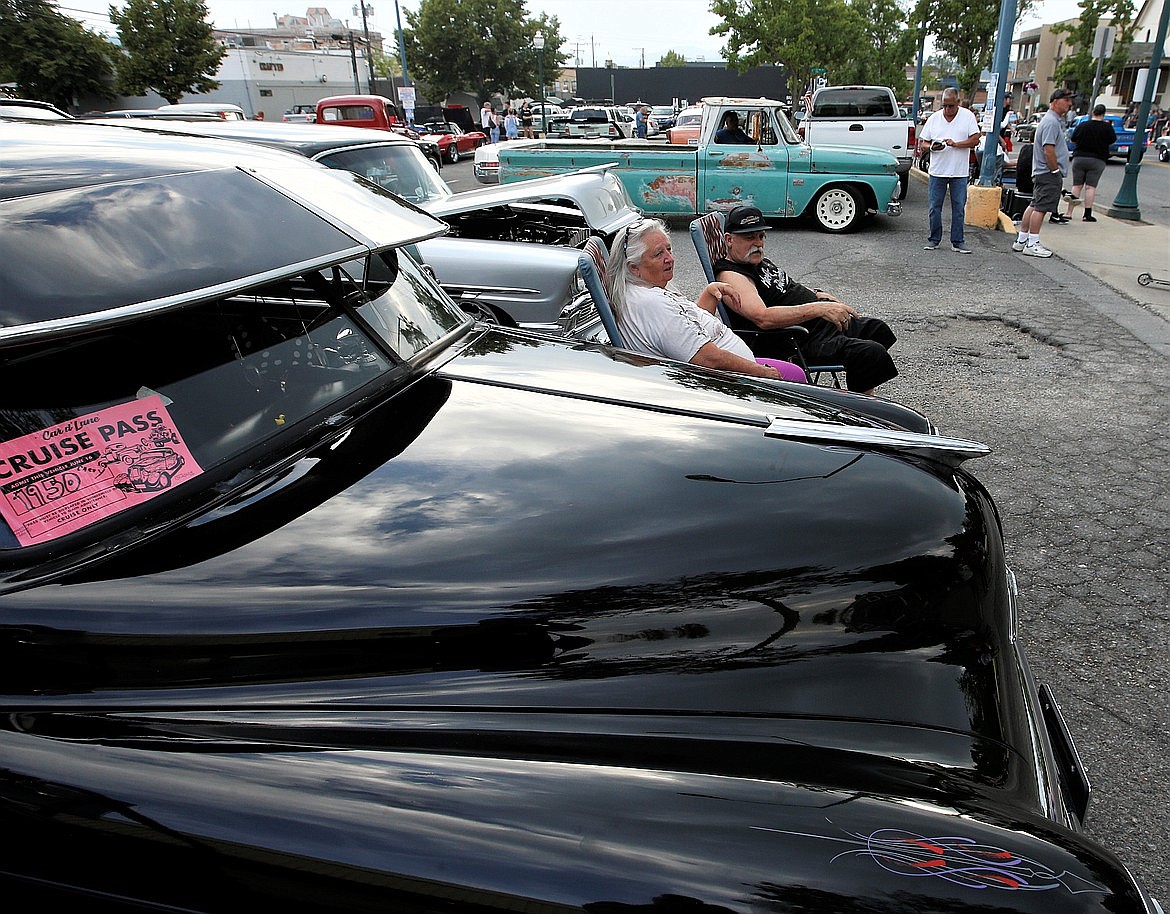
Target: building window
{"type": "Point", "coordinates": [266, 93]}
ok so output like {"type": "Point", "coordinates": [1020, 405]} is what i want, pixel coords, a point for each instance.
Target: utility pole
{"type": "Point", "coordinates": [643, 50]}
{"type": "Point", "coordinates": [593, 45]}
{"type": "Point", "coordinates": [367, 9]}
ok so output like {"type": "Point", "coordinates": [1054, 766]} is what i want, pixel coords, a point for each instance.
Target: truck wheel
{"type": "Point", "coordinates": [837, 209]}
{"type": "Point", "coordinates": [903, 185]}
{"type": "Point", "coordinates": [453, 153]}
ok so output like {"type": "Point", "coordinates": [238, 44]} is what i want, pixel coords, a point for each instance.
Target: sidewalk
{"type": "Point", "coordinates": [1115, 251]}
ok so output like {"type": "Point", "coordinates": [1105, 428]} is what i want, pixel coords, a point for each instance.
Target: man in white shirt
{"type": "Point", "coordinates": [950, 133]}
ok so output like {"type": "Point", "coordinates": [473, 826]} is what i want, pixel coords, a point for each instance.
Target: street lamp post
{"type": "Point", "coordinates": [538, 43]}
{"type": "Point", "coordinates": [401, 45]}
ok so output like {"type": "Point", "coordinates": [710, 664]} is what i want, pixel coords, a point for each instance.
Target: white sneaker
{"type": "Point", "coordinates": [1018, 246]}
{"type": "Point", "coordinates": [1037, 250]}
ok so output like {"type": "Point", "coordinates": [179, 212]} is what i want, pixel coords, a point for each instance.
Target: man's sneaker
{"type": "Point", "coordinates": [1019, 246]}
{"type": "Point", "coordinates": [931, 246]}
{"type": "Point", "coordinates": [1036, 249]}
{"type": "Point", "coordinates": [1069, 195]}
{"type": "Point", "coordinates": [1088, 218]}
{"type": "Point", "coordinates": [1058, 219]}
{"type": "Point", "coordinates": [961, 249]}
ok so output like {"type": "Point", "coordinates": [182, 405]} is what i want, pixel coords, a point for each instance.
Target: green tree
{"type": "Point", "coordinates": [168, 48]}
{"type": "Point", "coordinates": [52, 57]}
{"type": "Point", "coordinates": [965, 30]}
{"type": "Point", "coordinates": [672, 59]}
{"type": "Point", "coordinates": [795, 34]}
{"type": "Point", "coordinates": [482, 46]}
{"type": "Point", "coordinates": [1079, 69]}
{"type": "Point", "coordinates": [888, 46]}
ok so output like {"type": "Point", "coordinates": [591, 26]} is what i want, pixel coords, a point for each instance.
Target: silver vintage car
{"type": "Point", "coordinates": [511, 254]}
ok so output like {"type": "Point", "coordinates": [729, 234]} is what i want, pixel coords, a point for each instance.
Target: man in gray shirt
{"type": "Point", "coordinates": [1049, 166]}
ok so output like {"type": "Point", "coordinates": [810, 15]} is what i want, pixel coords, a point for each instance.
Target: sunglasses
{"type": "Point", "coordinates": [633, 227]}
{"type": "Point", "coordinates": [955, 105]}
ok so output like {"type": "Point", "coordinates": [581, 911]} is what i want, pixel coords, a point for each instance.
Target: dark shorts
{"type": "Point", "coordinates": [1046, 192]}
{"type": "Point", "coordinates": [1087, 170]}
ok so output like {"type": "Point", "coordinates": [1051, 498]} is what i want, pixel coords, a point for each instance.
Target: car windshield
{"type": "Point", "coordinates": [100, 420]}
{"type": "Point", "coordinates": [400, 169]}
{"type": "Point", "coordinates": [692, 119]}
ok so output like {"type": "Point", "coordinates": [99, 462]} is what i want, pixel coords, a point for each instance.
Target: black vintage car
{"type": "Point", "coordinates": [436, 616]}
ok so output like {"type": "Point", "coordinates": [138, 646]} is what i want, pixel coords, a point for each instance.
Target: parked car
{"type": "Point", "coordinates": [223, 110]}
{"type": "Point", "coordinates": [486, 166]}
{"type": "Point", "coordinates": [441, 616]}
{"type": "Point", "coordinates": [687, 125]}
{"type": "Point", "coordinates": [1125, 135]}
{"type": "Point", "coordinates": [373, 112]}
{"type": "Point", "coordinates": [301, 114]}
{"type": "Point", "coordinates": [391, 161]}
{"type": "Point", "coordinates": [1162, 144]}
{"type": "Point", "coordinates": [452, 141]}
{"type": "Point", "coordinates": [30, 108]}
{"type": "Point", "coordinates": [663, 116]}
{"type": "Point", "coordinates": [599, 121]}
{"type": "Point", "coordinates": [511, 256]}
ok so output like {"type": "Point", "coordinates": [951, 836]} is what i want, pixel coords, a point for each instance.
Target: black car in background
{"type": "Point", "coordinates": [318, 595]}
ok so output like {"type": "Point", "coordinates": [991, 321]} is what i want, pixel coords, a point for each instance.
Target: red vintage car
{"type": "Point", "coordinates": [454, 142]}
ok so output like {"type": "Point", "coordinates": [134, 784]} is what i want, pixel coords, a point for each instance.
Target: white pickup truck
{"type": "Point", "coordinates": [861, 116]}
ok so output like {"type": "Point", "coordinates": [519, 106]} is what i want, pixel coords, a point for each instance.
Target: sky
{"type": "Point", "coordinates": [630, 32]}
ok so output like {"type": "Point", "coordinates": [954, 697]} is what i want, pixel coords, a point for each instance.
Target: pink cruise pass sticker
{"type": "Point", "coordinates": [68, 476]}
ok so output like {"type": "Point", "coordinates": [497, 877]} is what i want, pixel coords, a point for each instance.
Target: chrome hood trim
{"type": "Point", "coordinates": [949, 451]}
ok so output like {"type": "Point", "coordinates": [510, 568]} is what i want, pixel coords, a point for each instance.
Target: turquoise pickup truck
{"type": "Point", "coordinates": [764, 164]}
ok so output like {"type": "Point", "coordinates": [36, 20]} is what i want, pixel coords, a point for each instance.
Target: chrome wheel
{"type": "Point", "coordinates": [453, 153]}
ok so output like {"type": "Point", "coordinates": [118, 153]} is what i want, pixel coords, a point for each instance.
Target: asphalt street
{"type": "Point", "coordinates": [1029, 356]}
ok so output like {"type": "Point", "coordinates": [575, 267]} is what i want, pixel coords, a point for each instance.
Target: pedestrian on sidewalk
{"type": "Point", "coordinates": [1050, 162]}
{"type": "Point", "coordinates": [511, 124]}
{"type": "Point", "coordinates": [1092, 140]}
{"type": "Point", "coordinates": [950, 133]}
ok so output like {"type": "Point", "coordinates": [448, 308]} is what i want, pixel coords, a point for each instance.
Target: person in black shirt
{"type": "Point", "coordinates": [770, 299]}
{"type": "Point", "coordinates": [1092, 139]}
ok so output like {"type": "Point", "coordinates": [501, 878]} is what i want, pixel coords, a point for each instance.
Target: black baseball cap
{"type": "Point", "coordinates": [743, 220]}
{"type": "Point", "coordinates": [1061, 93]}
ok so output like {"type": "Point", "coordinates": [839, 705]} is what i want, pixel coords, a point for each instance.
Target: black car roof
{"type": "Point", "coordinates": [304, 139]}
{"type": "Point", "coordinates": [98, 223]}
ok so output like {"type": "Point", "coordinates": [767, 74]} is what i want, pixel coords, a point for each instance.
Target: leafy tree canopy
{"type": "Point", "coordinates": [888, 46]}
{"type": "Point", "coordinates": [796, 34]}
{"type": "Point", "coordinates": [965, 30]}
{"type": "Point", "coordinates": [1079, 69]}
{"type": "Point", "coordinates": [672, 59]}
{"type": "Point", "coordinates": [481, 46]}
{"type": "Point", "coordinates": [168, 48]}
{"type": "Point", "coordinates": [51, 57]}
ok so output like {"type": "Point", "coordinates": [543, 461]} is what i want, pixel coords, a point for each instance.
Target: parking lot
{"type": "Point", "coordinates": [1020, 354]}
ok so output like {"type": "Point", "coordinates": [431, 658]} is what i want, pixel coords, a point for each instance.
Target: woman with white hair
{"type": "Point", "coordinates": [657, 320]}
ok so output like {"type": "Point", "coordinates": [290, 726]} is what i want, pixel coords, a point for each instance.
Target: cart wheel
{"type": "Point", "coordinates": [1144, 279]}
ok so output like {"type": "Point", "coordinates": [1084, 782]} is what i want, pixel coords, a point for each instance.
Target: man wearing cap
{"type": "Point", "coordinates": [950, 133]}
{"type": "Point", "coordinates": [1049, 166]}
{"type": "Point", "coordinates": [769, 299]}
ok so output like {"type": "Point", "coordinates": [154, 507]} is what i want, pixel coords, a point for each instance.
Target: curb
{"type": "Point", "coordinates": [1004, 224]}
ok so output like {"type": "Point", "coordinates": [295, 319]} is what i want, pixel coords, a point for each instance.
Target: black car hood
{"type": "Point", "coordinates": [490, 635]}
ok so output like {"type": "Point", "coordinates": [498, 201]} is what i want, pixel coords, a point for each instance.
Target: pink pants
{"type": "Point", "coordinates": [788, 370]}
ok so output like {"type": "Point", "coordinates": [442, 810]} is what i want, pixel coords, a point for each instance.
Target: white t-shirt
{"type": "Point", "coordinates": [485, 117]}
{"type": "Point", "coordinates": [666, 323]}
{"type": "Point", "coordinates": [950, 162]}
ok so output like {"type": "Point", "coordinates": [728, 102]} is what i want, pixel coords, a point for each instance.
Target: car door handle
{"type": "Point", "coordinates": [856, 126]}
{"type": "Point", "coordinates": [714, 154]}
